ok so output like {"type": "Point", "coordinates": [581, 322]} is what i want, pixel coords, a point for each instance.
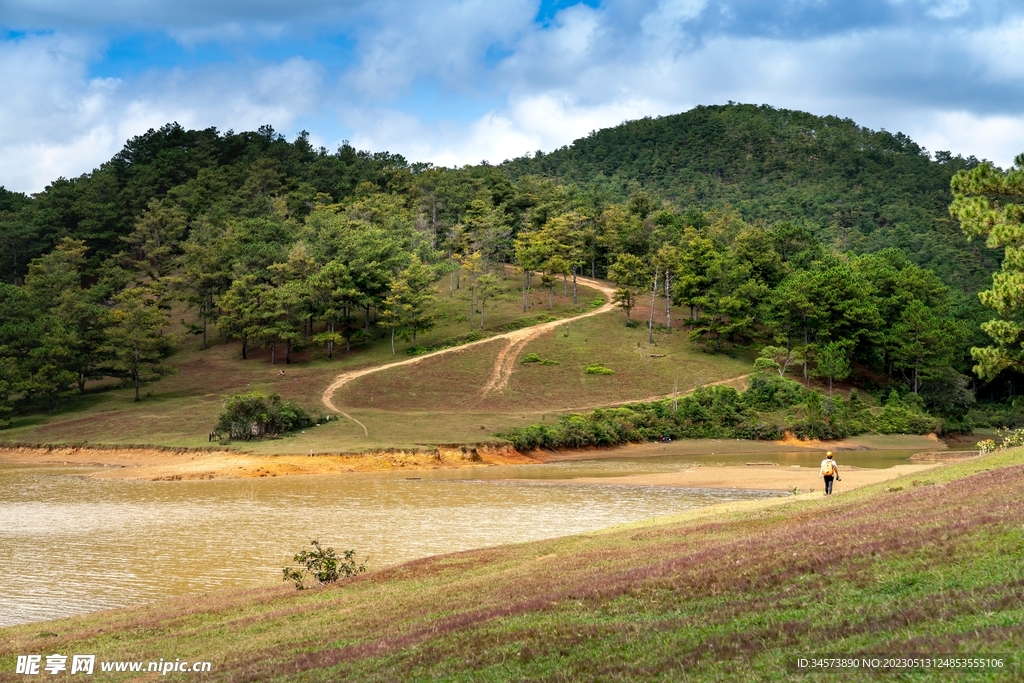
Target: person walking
{"type": "Point", "coordinates": [829, 471]}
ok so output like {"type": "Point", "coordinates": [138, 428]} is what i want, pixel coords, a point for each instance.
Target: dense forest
{"type": "Point", "coordinates": [857, 189]}
{"type": "Point", "coordinates": [828, 247]}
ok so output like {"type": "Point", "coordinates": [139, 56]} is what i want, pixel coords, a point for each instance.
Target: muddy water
{"type": "Point", "coordinates": [69, 544]}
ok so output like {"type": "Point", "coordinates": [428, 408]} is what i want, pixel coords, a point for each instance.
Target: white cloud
{"type": "Point", "coordinates": [446, 43]}
{"type": "Point", "coordinates": [417, 69]}
{"type": "Point", "coordinates": [948, 9]}
{"type": "Point", "coordinates": [532, 123]}
{"type": "Point", "coordinates": [1000, 50]}
{"type": "Point", "coordinates": [56, 121]}
{"type": "Point", "coordinates": [997, 138]}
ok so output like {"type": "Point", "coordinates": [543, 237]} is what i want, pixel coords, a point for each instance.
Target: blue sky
{"type": "Point", "coordinates": [456, 82]}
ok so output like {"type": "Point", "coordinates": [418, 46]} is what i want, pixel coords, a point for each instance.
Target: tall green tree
{"type": "Point", "coordinates": [832, 362]}
{"type": "Point", "coordinates": [990, 203]}
{"type": "Point", "coordinates": [71, 319]}
{"type": "Point", "coordinates": [238, 310]}
{"type": "Point", "coordinates": [136, 342]}
{"type": "Point", "coordinates": [630, 275]}
{"type": "Point", "coordinates": [203, 273]}
{"type": "Point", "coordinates": [156, 237]}
{"type": "Point", "coordinates": [697, 254]}
{"type": "Point", "coordinates": [335, 295]}
{"type": "Point", "coordinates": [924, 343]}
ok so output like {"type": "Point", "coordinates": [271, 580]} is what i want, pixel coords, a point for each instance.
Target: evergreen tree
{"type": "Point", "coordinates": [990, 203]}
{"type": "Point", "coordinates": [136, 342]}
{"type": "Point", "coordinates": [631, 277]}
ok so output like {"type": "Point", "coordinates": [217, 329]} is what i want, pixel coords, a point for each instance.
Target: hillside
{"type": "Point", "coordinates": [927, 565]}
{"type": "Point", "coordinates": [860, 189]}
{"type": "Point", "coordinates": [757, 227]}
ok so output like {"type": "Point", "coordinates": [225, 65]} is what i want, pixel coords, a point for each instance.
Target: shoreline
{"type": "Point", "coordinates": [796, 479]}
{"type": "Point", "coordinates": [171, 464]}
{"type": "Point", "coordinates": [155, 464]}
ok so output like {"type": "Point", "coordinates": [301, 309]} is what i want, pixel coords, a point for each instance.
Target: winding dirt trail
{"type": "Point", "coordinates": [503, 365]}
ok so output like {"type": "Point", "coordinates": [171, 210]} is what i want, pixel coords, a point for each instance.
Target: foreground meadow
{"type": "Point", "coordinates": [925, 564]}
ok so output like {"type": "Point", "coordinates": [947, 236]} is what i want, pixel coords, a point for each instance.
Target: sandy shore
{"type": "Point", "coordinates": [763, 477]}
{"type": "Point", "coordinates": [155, 464]}
{"type": "Point", "coordinates": [170, 465]}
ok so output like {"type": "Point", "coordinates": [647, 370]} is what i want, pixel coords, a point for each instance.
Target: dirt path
{"type": "Point", "coordinates": [503, 365]}
{"type": "Point", "coordinates": [778, 478]}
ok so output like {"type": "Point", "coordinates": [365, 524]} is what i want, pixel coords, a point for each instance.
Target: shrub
{"type": "Point", "coordinates": [771, 392]}
{"type": "Point", "coordinates": [535, 358]}
{"type": "Point", "coordinates": [598, 369]}
{"type": "Point", "coordinates": [323, 565]}
{"type": "Point", "coordinates": [905, 416]}
{"type": "Point", "coordinates": [254, 415]}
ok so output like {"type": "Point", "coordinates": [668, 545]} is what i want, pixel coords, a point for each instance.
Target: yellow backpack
{"type": "Point", "coordinates": [828, 469]}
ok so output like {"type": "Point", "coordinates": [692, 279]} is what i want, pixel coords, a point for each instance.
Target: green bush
{"type": "Point", "coordinates": [998, 415]}
{"type": "Point", "coordinates": [323, 565]}
{"type": "Point", "coordinates": [768, 391]}
{"type": "Point", "coordinates": [535, 358]}
{"type": "Point", "coordinates": [254, 415]}
{"type": "Point", "coordinates": [905, 416]}
{"type": "Point", "coordinates": [720, 412]}
{"type": "Point", "coordinates": [598, 369]}
{"type": "Point", "coordinates": [709, 412]}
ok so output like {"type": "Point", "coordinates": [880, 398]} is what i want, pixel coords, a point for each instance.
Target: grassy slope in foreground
{"type": "Point", "coordinates": [923, 565]}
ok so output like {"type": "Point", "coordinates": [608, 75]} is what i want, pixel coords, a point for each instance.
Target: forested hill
{"type": "Point", "coordinates": [859, 189]}
{"type": "Point", "coordinates": [201, 172]}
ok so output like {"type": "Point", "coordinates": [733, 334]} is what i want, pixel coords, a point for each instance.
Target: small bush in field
{"type": "Point", "coordinates": [254, 415]}
{"type": "Point", "coordinates": [323, 565]}
{"type": "Point", "coordinates": [598, 369]}
{"type": "Point", "coordinates": [535, 358]}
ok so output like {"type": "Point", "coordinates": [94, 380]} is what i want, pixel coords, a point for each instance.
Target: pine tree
{"type": "Point", "coordinates": [135, 340]}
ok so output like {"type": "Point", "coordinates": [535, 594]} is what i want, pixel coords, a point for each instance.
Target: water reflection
{"type": "Point", "coordinates": [70, 544]}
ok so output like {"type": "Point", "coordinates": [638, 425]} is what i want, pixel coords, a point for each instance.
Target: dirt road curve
{"type": "Point", "coordinates": [503, 365]}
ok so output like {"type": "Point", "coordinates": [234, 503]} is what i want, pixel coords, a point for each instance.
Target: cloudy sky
{"type": "Point", "coordinates": [460, 81]}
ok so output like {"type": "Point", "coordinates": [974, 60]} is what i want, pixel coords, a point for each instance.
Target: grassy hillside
{"type": "Point", "coordinates": [641, 370]}
{"type": "Point", "coordinates": [435, 401]}
{"type": "Point", "coordinates": [861, 189]}
{"type": "Point", "coordinates": [927, 565]}
{"type": "Point", "coordinates": [181, 409]}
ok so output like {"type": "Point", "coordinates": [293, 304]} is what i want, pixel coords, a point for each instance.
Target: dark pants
{"type": "Point", "coordinates": [828, 484]}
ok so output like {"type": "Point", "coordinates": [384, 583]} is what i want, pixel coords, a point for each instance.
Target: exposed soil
{"type": "Point", "coordinates": [171, 465]}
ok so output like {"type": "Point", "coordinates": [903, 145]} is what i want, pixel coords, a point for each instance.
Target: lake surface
{"type": "Point", "coordinates": [70, 544]}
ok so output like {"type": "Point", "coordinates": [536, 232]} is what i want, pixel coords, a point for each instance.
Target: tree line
{"type": "Point", "coordinates": [278, 245]}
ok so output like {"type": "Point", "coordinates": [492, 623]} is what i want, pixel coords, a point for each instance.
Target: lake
{"type": "Point", "coordinates": [71, 544]}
